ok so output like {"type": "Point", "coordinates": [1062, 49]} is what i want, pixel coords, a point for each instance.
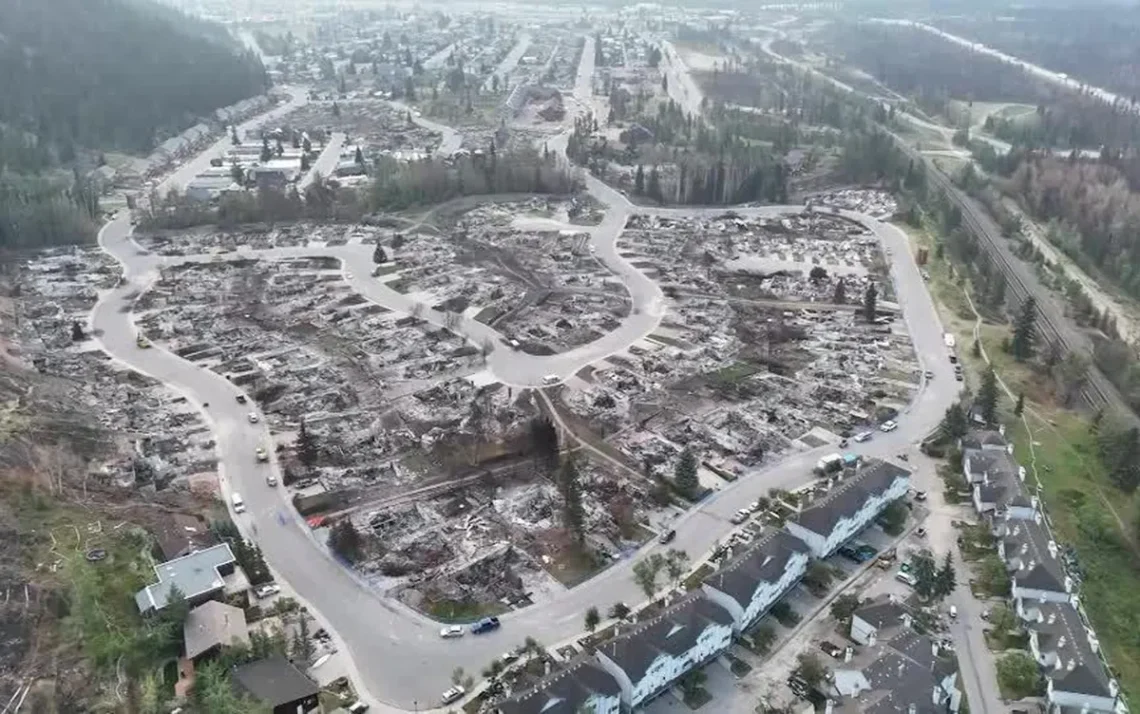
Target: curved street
{"type": "Point", "coordinates": [397, 653]}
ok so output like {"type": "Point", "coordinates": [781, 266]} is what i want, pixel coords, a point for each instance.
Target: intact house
{"type": "Point", "coordinates": [647, 660]}
{"type": "Point", "coordinates": [276, 682]}
{"type": "Point", "coordinates": [582, 686]}
{"type": "Point", "coordinates": [903, 672]}
{"type": "Point", "coordinates": [884, 614]}
{"type": "Point", "coordinates": [1067, 650]}
{"type": "Point", "coordinates": [200, 576]}
{"type": "Point", "coordinates": [851, 505]}
{"type": "Point", "coordinates": [1030, 553]}
{"type": "Point", "coordinates": [984, 440]}
{"type": "Point", "coordinates": [212, 626]}
{"type": "Point", "coordinates": [750, 584]}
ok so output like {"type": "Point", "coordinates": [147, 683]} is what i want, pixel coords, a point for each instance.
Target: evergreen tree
{"type": "Point", "coordinates": [359, 157]}
{"type": "Point", "coordinates": [77, 333]}
{"type": "Point", "coordinates": [1025, 331]}
{"type": "Point", "coordinates": [954, 423]}
{"type": "Point", "coordinates": [378, 255]}
{"type": "Point", "coordinates": [946, 580]}
{"type": "Point", "coordinates": [685, 474]}
{"type": "Point", "coordinates": [653, 188]}
{"type": "Point", "coordinates": [1020, 406]}
{"type": "Point", "coordinates": [304, 163]}
{"type": "Point", "coordinates": [925, 575]}
{"type": "Point", "coordinates": [571, 490]}
{"type": "Point", "coordinates": [345, 541]}
{"type": "Point", "coordinates": [869, 299]}
{"type": "Point", "coordinates": [266, 152]}
{"type": "Point", "coordinates": [544, 441]}
{"type": "Point", "coordinates": [840, 297]}
{"type": "Point", "coordinates": [639, 181]}
{"type": "Point", "coordinates": [307, 450]}
{"type": "Point", "coordinates": [593, 617]}
{"type": "Point", "coordinates": [988, 396]}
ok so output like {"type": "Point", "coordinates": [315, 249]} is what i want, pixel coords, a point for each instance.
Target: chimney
{"type": "Point", "coordinates": [1024, 548]}
{"type": "Point", "coordinates": [1001, 430]}
{"type": "Point", "coordinates": [934, 648]}
{"type": "Point", "coordinates": [912, 709]}
{"type": "Point", "coordinates": [848, 654]}
{"type": "Point", "coordinates": [1032, 564]}
{"type": "Point", "coordinates": [1008, 448]}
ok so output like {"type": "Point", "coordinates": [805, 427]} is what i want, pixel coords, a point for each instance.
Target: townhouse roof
{"type": "Point", "coordinates": [194, 575]}
{"type": "Point", "coordinates": [764, 562]}
{"type": "Point", "coordinates": [983, 439]}
{"type": "Point", "coordinates": [873, 478]}
{"type": "Point", "coordinates": [1027, 544]}
{"type": "Point", "coordinates": [882, 613]}
{"type": "Point", "coordinates": [274, 680]}
{"type": "Point", "coordinates": [674, 632]}
{"type": "Point", "coordinates": [212, 624]}
{"type": "Point", "coordinates": [902, 672]}
{"type": "Point", "coordinates": [1087, 677]}
{"type": "Point", "coordinates": [1059, 630]}
{"type": "Point", "coordinates": [992, 463]}
{"type": "Point", "coordinates": [565, 692]}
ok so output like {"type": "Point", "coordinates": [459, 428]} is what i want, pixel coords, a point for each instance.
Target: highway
{"type": "Point", "coordinates": [398, 657]}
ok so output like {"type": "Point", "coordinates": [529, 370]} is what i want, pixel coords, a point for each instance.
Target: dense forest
{"type": "Point", "coordinates": [80, 77]}
{"type": "Point", "coordinates": [1095, 45]}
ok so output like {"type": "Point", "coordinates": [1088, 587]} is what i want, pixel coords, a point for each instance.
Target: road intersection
{"type": "Point", "coordinates": [398, 656]}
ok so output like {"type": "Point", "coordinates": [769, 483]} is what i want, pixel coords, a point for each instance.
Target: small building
{"type": "Point", "coordinates": [991, 466]}
{"type": "Point", "coordinates": [852, 504]}
{"type": "Point", "coordinates": [647, 660]}
{"type": "Point", "coordinates": [182, 534]}
{"type": "Point", "coordinates": [199, 576]}
{"type": "Point", "coordinates": [750, 584]}
{"type": "Point", "coordinates": [874, 620]}
{"type": "Point", "coordinates": [983, 439]}
{"type": "Point", "coordinates": [211, 626]}
{"type": "Point", "coordinates": [279, 684]}
{"type": "Point", "coordinates": [582, 686]}
{"type": "Point", "coordinates": [909, 674]}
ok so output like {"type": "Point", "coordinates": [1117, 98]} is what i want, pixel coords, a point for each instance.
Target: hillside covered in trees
{"type": "Point", "coordinates": [80, 77]}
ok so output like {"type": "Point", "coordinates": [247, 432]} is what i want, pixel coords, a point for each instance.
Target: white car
{"type": "Point", "coordinates": [451, 631]}
{"type": "Point", "coordinates": [741, 516]}
{"type": "Point", "coordinates": [863, 436]}
{"type": "Point", "coordinates": [266, 591]}
{"type": "Point", "coordinates": [453, 694]}
{"type": "Point", "coordinates": [253, 418]}
{"type": "Point", "coordinates": [889, 425]}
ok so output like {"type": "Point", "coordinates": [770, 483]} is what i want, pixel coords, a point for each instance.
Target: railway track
{"type": "Point", "coordinates": [1098, 392]}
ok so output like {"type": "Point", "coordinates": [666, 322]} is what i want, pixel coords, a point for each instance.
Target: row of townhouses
{"type": "Point", "coordinates": [646, 660]}
{"type": "Point", "coordinates": [1044, 594]}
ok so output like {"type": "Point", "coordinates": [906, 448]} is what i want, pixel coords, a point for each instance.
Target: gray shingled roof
{"type": "Point", "coordinates": [565, 692]}
{"type": "Point", "coordinates": [274, 681]}
{"type": "Point", "coordinates": [1087, 678]}
{"type": "Point", "coordinates": [981, 438]}
{"type": "Point", "coordinates": [212, 624]}
{"type": "Point", "coordinates": [843, 501]}
{"type": "Point", "coordinates": [764, 562]}
{"type": "Point", "coordinates": [998, 465]}
{"type": "Point", "coordinates": [881, 613]}
{"type": "Point", "coordinates": [674, 632]}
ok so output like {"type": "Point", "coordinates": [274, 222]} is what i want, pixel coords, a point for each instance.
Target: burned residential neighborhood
{"type": "Point", "coordinates": [561, 360]}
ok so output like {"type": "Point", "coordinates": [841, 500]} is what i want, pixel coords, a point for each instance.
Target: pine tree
{"type": "Point", "coordinates": [593, 617]}
{"type": "Point", "coordinates": [925, 575]}
{"type": "Point", "coordinates": [653, 189]}
{"type": "Point", "coordinates": [988, 396]}
{"type": "Point", "coordinates": [304, 163]}
{"type": "Point", "coordinates": [1025, 331]}
{"type": "Point", "coordinates": [869, 299]}
{"type": "Point", "coordinates": [954, 423]}
{"type": "Point", "coordinates": [639, 181]}
{"type": "Point", "coordinates": [840, 297]}
{"type": "Point", "coordinates": [359, 157]}
{"type": "Point", "coordinates": [571, 491]}
{"type": "Point", "coordinates": [946, 580]}
{"type": "Point", "coordinates": [685, 474]}
{"type": "Point", "coordinates": [345, 541]}
{"type": "Point", "coordinates": [307, 450]}
{"type": "Point", "coordinates": [378, 255]}
{"type": "Point", "coordinates": [1020, 406]}
{"type": "Point", "coordinates": [77, 333]}
{"type": "Point", "coordinates": [266, 152]}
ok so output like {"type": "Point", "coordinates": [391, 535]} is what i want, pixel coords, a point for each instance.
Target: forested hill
{"type": "Point", "coordinates": [110, 74]}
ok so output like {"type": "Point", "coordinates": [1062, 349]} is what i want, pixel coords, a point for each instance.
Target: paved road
{"type": "Point", "coordinates": [510, 61]}
{"type": "Point", "coordinates": [399, 657]}
{"type": "Point", "coordinates": [325, 165]}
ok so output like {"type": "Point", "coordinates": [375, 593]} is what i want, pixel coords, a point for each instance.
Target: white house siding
{"type": "Point", "coordinates": [603, 705]}
{"type": "Point", "coordinates": [666, 669]}
{"type": "Point", "coordinates": [1033, 594]}
{"type": "Point", "coordinates": [862, 631]}
{"type": "Point", "coordinates": [765, 595]}
{"type": "Point", "coordinates": [823, 545]}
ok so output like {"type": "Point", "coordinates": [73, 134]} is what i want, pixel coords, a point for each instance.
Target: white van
{"type": "Point", "coordinates": [239, 505]}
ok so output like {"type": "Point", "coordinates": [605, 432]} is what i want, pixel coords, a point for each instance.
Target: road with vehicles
{"type": "Point", "coordinates": [398, 656]}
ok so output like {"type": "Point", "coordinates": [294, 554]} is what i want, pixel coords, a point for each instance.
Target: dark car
{"type": "Point", "coordinates": [487, 624]}
{"type": "Point", "coordinates": [241, 399]}
{"type": "Point", "coordinates": [667, 537]}
{"type": "Point", "coordinates": [831, 649]}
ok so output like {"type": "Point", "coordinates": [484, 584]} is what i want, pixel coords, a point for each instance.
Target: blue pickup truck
{"type": "Point", "coordinates": [487, 624]}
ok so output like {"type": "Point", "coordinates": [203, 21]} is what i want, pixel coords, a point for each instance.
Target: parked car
{"type": "Point", "coordinates": [843, 443]}
{"type": "Point", "coordinates": [253, 418]}
{"type": "Point", "coordinates": [920, 496]}
{"type": "Point", "coordinates": [863, 436]}
{"type": "Point", "coordinates": [667, 536]}
{"type": "Point", "coordinates": [267, 591]}
{"type": "Point", "coordinates": [357, 708]}
{"type": "Point", "coordinates": [740, 516]}
{"type": "Point", "coordinates": [241, 399]}
{"type": "Point", "coordinates": [451, 631]}
{"type": "Point", "coordinates": [262, 454]}
{"type": "Point", "coordinates": [831, 649]}
{"type": "Point", "coordinates": [905, 577]}
{"type": "Point", "coordinates": [487, 624]}
{"type": "Point", "coordinates": [453, 694]}
{"type": "Point", "coordinates": [889, 425]}
{"type": "Point", "coordinates": [920, 532]}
